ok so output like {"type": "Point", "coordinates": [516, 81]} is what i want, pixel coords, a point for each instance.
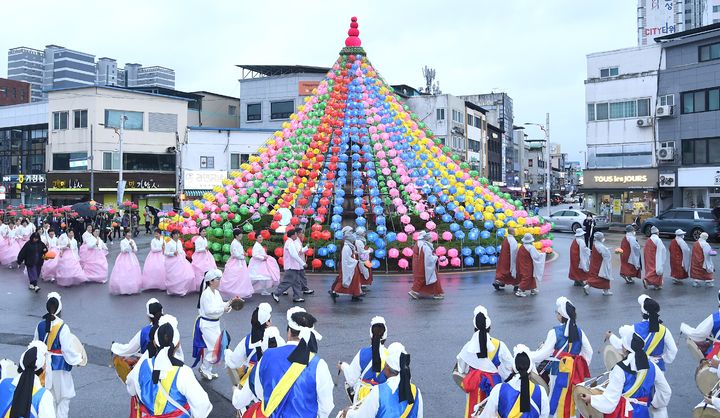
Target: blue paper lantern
{"type": "Point", "coordinates": [372, 236]}
{"type": "Point", "coordinates": [460, 235]}
{"type": "Point", "coordinates": [489, 225]}
{"type": "Point", "coordinates": [485, 234]}
{"type": "Point", "coordinates": [468, 224]}
{"type": "Point", "coordinates": [490, 250]}
{"type": "Point", "coordinates": [330, 263]}
{"type": "Point", "coordinates": [380, 253]}
{"type": "Point", "coordinates": [391, 236]}
{"type": "Point", "coordinates": [484, 259]}
{"type": "Point", "coordinates": [332, 248]}
{"type": "Point", "coordinates": [469, 261]}
{"type": "Point", "coordinates": [379, 243]}
{"type": "Point", "coordinates": [493, 260]}
{"type": "Point", "coordinates": [500, 232]}
{"type": "Point", "coordinates": [479, 250]}
{"type": "Point", "coordinates": [322, 252]}
{"type": "Point", "coordinates": [446, 218]}
{"type": "Point", "coordinates": [466, 251]}
{"type": "Point", "coordinates": [375, 264]}
{"type": "Point", "coordinates": [454, 227]}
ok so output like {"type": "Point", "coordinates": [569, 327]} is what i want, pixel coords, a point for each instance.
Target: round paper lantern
{"type": "Point", "coordinates": [452, 252]}
{"type": "Point", "coordinates": [330, 263]}
{"type": "Point", "coordinates": [469, 261]}
{"type": "Point", "coordinates": [455, 262]}
{"type": "Point", "coordinates": [447, 236]}
{"type": "Point", "coordinates": [403, 263]}
{"type": "Point", "coordinates": [393, 253]}
{"type": "Point", "coordinates": [316, 263]}
{"type": "Point", "coordinates": [407, 252]}
{"type": "Point", "coordinates": [443, 261]}
{"type": "Point", "coordinates": [278, 252]}
{"type": "Point", "coordinates": [440, 251]}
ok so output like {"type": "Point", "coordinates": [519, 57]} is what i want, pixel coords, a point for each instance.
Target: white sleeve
{"type": "Point", "coordinates": [236, 358]}
{"type": "Point", "coordinates": [607, 401]}
{"type": "Point", "coordinates": [491, 406]}
{"type": "Point", "coordinates": [461, 365]}
{"type": "Point", "coordinates": [200, 244]}
{"type": "Point", "coordinates": [544, 403]}
{"type": "Point", "coordinates": [419, 401]}
{"type": "Point", "coordinates": [670, 347]}
{"type": "Point", "coordinates": [352, 371]}
{"type": "Point", "coordinates": [132, 377]}
{"type": "Point", "coordinates": [259, 393]}
{"type": "Point", "coordinates": [699, 333]}
{"type": "Point", "coordinates": [324, 388]}
{"type": "Point", "coordinates": [369, 406]}
{"type": "Point", "coordinates": [615, 341]}
{"type": "Point", "coordinates": [236, 250]}
{"type": "Point", "coordinates": [197, 398]}
{"type": "Point", "coordinates": [125, 350]}
{"type": "Point", "coordinates": [586, 350]}
{"type": "Point", "coordinates": [71, 356]}
{"type": "Point", "coordinates": [291, 250]}
{"type": "Point", "coordinates": [506, 361]}
{"type": "Point", "coordinates": [546, 350]}
{"type": "Point", "coordinates": [46, 409]}
{"type": "Point", "coordinates": [241, 398]}
{"type": "Point", "coordinates": [209, 306]}
{"type": "Point", "coordinates": [661, 398]}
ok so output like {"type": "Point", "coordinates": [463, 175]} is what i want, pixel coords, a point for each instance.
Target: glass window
{"type": "Point", "coordinates": [601, 111]}
{"type": "Point", "coordinates": [685, 214]}
{"type": "Point", "coordinates": [133, 120]}
{"type": "Point", "coordinates": [714, 99]}
{"type": "Point", "coordinates": [617, 110]}
{"type": "Point", "coordinates": [688, 152]}
{"type": "Point", "coordinates": [643, 107]}
{"type": "Point", "coordinates": [281, 110]}
{"type": "Point", "coordinates": [700, 151]}
{"type": "Point", "coordinates": [591, 112]}
{"type": "Point", "coordinates": [667, 100]}
{"type": "Point", "coordinates": [60, 120]}
{"type": "Point", "coordinates": [668, 215]}
{"type": "Point", "coordinates": [207, 162]}
{"type": "Point", "coordinates": [710, 52]}
{"type": "Point", "coordinates": [73, 161]}
{"type": "Point", "coordinates": [440, 114]}
{"type": "Point", "coordinates": [111, 160]}
{"type": "Point", "coordinates": [713, 150]}
{"type": "Point", "coordinates": [149, 162]}
{"type": "Point", "coordinates": [688, 102]}
{"type": "Point", "coordinates": [79, 119]}
{"type": "Point", "coordinates": [234, 161]}
{"type": "Point", "coordinates": [254, 111]}
{"type": "Point", "coordinates": [699, 101]}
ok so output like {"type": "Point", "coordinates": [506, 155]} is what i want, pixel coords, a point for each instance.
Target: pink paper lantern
{"type": "Point", "coordinates": [443, 261]}
{"type": "Point", "coordinates": [402, 237]}
{"type": "Point", "coordinates": [424, 216]}
{"type": "Point", "coordinates": [455, 262]}
{"type": "Point", "coordinates": [452, 252]}
{"type": "Point", "coordinates": [409, 228]}
{"type": "Point", "coordinates": [393, 253]}
{"type": "Point", "coordinates": [447, 236]}
{"type": "Point", "coordinates": [403, 263]}
{"type": "Point", "coordinates": [430, 225]}
{"type": "Point", "coordinates": [407, 252]}
{"type": "Point", "coordinates": [440, 251]}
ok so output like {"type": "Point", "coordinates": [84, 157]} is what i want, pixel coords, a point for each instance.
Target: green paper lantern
{"type": "Point", "coordinates": [247, 228]}
{"type": "Point", "coordinates": [217, 257]}
{"type": "Point", "coordinates": [216, 247]}
{"type": "Point", "coordinates": [226, 248]}
{"type": "Point", "coordinates": [225, 258]}
{"type": "Point", "coordinates": [218, 232]}
{"type": "Point", "coordinates": [228, 233]}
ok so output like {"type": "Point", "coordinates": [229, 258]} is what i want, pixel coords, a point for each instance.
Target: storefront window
{"type": "Point", "coordinates": [623, 207]}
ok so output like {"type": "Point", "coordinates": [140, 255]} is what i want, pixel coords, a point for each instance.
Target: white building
{"type": "Point", "coordinates": [214, 110]}
{"type": "Point", "coordinates": [209, 154]}
{"type": "Point", "coordinates": [83, 153]}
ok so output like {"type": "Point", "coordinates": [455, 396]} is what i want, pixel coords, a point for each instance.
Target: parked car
{"type": "Point", "coordinates": [572, 219]}
{"type": "Point", "coordinates": [694, 221]}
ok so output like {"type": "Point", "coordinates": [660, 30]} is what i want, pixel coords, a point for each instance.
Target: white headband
{"type": "Point", "coordinates": [378, 320]}
{"type": "Point", "coordinates": [521, 348]}
{"type": "Point", "coordinates": [561, 306]}
{"type": "Point", "coordinates": [641, 300]}
{"type": "Point", "coordinates": [41, 354]}
{"type": "Point", "coordinates": [264, 312]}
{"type": "Point", "coordinates": [56, 295]}
{"type": "Point", "coordinates": [483, 310]}
{"type": "Point", "coordinates": [147, 306]}
{"type": "Point", "coordinates": [393, 357]}
{"type": "Point", "coordinates": [214, 274]}
{"type": "Point", "coordinates": [290, 313]}
{"type": "Point", "coordinates": [626, 335]}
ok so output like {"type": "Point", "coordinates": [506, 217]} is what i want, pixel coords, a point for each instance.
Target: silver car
{"type": "Point", "coordinates": [572, 219]}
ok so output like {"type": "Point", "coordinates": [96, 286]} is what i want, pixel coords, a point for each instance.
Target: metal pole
{"type": "Point", "coordinates": [120, 169]}
{"type": "Point", "coordinates": [92, 166]}
{"type": "Point", "coordinates": [549, 167]}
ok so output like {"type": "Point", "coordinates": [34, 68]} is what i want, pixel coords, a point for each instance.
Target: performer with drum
{"type": "Point", "coordinates": [24, 395]}
{"type": "Point", "coordinates": [659, 343]}
{"type": "Point", "coordinates": [679, 258]}
{"type": "Point", "coordinates": [708, 331]}
{"type": "Point", "coordinates": [579, 259]}
{"type": "Point", "coordinates": [65, 352]}
{"type": "Point", "coordinates": [209, 340]}
{"type": "Point", "coordinates": [518, 396]}
{"type": "Point", "coordinates": [164, 385]}
{"type": "Point", "coordinates": [630, 257]}
{"type": "Point", "coordinates": [569, 351]}
{"type": "Point", "coordinates": [483, 362]}
{"type": "Point", "coordinates": [366, 369]}
{"type": "Point", "coordinates": [244, 399]}
{"type": "Point", "coordinates": [505, 272]}
{"type": "Point", "coordinates": [142, 341]}
{"type": "Point", "coordinates": [634, 385]}
{"type": "Point", "coordinates": [243, 359]}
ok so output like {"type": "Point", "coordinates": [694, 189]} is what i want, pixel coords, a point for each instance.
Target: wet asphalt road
{"type": "Point", "coordinates": [433, 331]}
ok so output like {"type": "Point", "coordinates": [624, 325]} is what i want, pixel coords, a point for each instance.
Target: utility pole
{"type": "Point", "coordinates": [549, 167]}
{"type": "Point", "coordinates": [121, 183]}
{"type": "Point", "coordinates": [92, 166]}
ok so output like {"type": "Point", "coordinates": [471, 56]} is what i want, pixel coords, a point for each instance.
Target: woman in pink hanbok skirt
{"type": "Point", "coordinates": [178, 270]}
{"type": "Point", "coordinates": [23, 231]}
{"type": "Point", "coordinates": [153, 276]}
{"type": "Point", "coordinates": [236, 278]}
{"type": "Point", "coordinates": [49, 267]}
{"type": "Point", "coordinates": [96, 264]}
{"type": "Point", "coordinates": [126, 276]}
{"type": "Point", "coordinates": [263, 269]}
{"type": "Point", "coordinates": [87, 242]}
{"type": "Point", "coordinates": [9, 249]}
{"type": "Point", "coordinates": [202, 261]}
{"type": "Point", "coordinates": [69, 272]}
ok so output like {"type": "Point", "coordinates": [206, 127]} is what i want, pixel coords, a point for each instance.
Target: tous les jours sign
{"type": "Point", "coordinates": [621, 179]}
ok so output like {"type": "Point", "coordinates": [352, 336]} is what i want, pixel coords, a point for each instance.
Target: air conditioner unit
{"type": "Point", "coordinates": [666, 154]}
{"type": "Point", "coordinates": [643, 123]}
{"type": "Point", "coordinates": [664, 111]}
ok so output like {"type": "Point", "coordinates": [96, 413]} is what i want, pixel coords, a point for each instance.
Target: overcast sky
{"type": "Point", "coordinates": [534, 50]}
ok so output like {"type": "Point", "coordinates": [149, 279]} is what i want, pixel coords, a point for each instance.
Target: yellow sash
{"type": "Point", "coordinates": [515, 411]}
{"type": "Point", "coordinates": [283, 387]}
{"type": "Point", "coordinates": [244, 377]}
{"type": "Point", "coordinates": [409, 406]}
{"type": "Point", "coordinates": [52, 335]}
{"type": "Point", "coordinates": [160, 398]}
{"type": "Point", "coordinates": [657, 337]}
{"type": "Point", "coordinates": [639, 380]}
{"type": "Point", "coordinates": [35, 391]}
{"type": "Point", "coordinates": [365, 388]}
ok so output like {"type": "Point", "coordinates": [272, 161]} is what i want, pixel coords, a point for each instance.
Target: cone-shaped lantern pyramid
{"type": "Point", "coordinates": [354, 155]}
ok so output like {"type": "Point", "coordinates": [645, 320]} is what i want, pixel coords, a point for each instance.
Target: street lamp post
{"type": "Point", "coordinates": [546, 129]}
{"type": "Point", "coordinates": [121, 185]}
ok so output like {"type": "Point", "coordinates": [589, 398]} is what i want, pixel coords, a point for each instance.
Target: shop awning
{"type": "Point", "coordinates": [196, 192]}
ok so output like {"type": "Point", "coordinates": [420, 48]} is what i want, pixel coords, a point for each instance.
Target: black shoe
{"type": "Point", "coordinates": [298, 300]}
{"type": "Point", "coordinates": [577, 284]}
{"type": "Point", "coordinates": [275, 297]}
{"type": "Point", "coordinates": [334, 296]}
{"type": "Point", "coordinates": [498, 286]}
{"type": "Point", "coordinates": [515, 289]}
{"type": "Point", "coordinates": [308, 291]}
{"type": "Point", "coordinates": [356, 299]}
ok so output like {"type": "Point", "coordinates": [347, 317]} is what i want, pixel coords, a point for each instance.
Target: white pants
{"type": "Point", "coordinates": [62, 408]}
{"type": "Point", "coordinates": [211, 332]}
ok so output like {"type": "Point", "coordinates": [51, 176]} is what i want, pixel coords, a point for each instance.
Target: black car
{"type": "Point", "coordinates": [694, 221]}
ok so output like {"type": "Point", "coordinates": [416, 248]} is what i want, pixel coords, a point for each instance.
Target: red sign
{"type": "Point", "coordinates": [305, 88]}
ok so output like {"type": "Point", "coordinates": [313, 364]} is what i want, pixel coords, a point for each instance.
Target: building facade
{"type": "Point", "coordinates": [518, 183]}
{"type": "Point", "coordinates": [27, 64]}
{"type": "Point", "coordinates": [215, 110]}
{"type": "Point", "coordinates": [689, 137]}
{"type": "Point", "coordinates": [23, 138]}
{"type": "Point", "coordinates": [476, 133]}
{"type": "Point", "coordinates": [495, 155]}
{"type": "Point", "coordinates": [536, 171]}
{"type": "Point", "coordinates": [14, 92]}
{"type": "Point", "coordinates": [445, 116]}
{"type": "Point", "coordinates": [83, 152]}
{"type": "Point", "coordinates": [621, 105]}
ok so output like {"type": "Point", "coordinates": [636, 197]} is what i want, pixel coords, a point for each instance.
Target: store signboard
{"type": "Point", "coordinates": [699, 177]}
{"type": "Point", "coordinates": [2, 192]}
{"type": "Point", "coordinates": [305, 88]}
{"type": "Point", "coordinates": [203, 179]}
{"type": "Point", "coordinates": [667, 180]}
{"type": "Point", "coordinates": [634, 178]}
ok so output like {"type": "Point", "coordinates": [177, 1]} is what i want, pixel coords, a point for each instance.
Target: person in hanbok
{"type": "Point", "coordinates": [243, 398]}
{"type": "Point", "coordinates": [86, 242]}
{"type": "Point", "coordinates": [236, 278]}
{"type": "Point", "coordinates": [209, 340]}
{"type": "Point", "coordinates": [69, 272]}
{"type": "Point", "coordinates": [58, 339]}
{"type": "Point", "coordinates": [701, 264]}
{"type": "Point", "coordinates": [363, 257]}
{"type": "Point", "coordinates": [706, 333]}
{"type": "Point", "coordinates": [163, 384]}
{"type": "Point", "coordinates": [96, 264]}
{"type": "Point", "coordinates": [426, 282]}
{"type": "Point", "coordinates": [505, 273]}
{"type": "Point", "coordinates": [349, 279]}
{"type": "Point", "coordinates": [484, 361]}
{"type": "Point", "coordinates": [635, 386]}
{"type": "Point", "coordinates": [23, 396]}
{"type": "Point", "coordinates": [654, 259]}
{"type": "Point", "coordinates": [24, 230]}
{"type": "Point", "coordinates": [142, 341]}
{"type": "Point", "coordinates": [367, 367]}
{"type": "Point", "coordinates": [518, 396]}
{"type": "Point", "coordinates": [630, 265]}
{"type": "Point", "coordinates": [202, 260]}
{"type": "Point", "coordinates": [178, 270]}
{"type": "Point", "coordinates": [302, 250]}
{"type": "Point", "coordinates": [49, 267]}
{"type": "Point", "coordinates": [126, 276]}
{"type": "Point", "coordinates": [397, 396]}
{"type": "Point", "coordinates": [12, 248]}
{"type": "Point", "coordinates": [570, 353]}
{"type": "Point", "coordinates": [263, 270]}
{"type": "Point", "coordinates": [579, 259]}
{"type": "Point", "coordinates": [600, 274]}
{"type": "Point", "coordinates": [530, 267]}
{"type": "Point", "coordinates": [3, 236]}
{"type": "Point", "coordinates": [245, 354]}
{"type": "Point", "coordinates": [153, 274]}
{"type": "Point", "coordinates": [679, 258]}
{"type": "Point", "coordinates": [659, 343]}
